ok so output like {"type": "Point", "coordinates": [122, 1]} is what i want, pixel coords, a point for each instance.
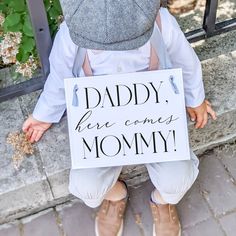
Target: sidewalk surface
{"type": "Point", "coordinates": [208, 209]}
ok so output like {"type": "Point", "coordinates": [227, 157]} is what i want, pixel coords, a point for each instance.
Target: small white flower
{"type": "Point", "coordinates": [27, 69]}
{"type": "Point", "coordinates": [9, 47]}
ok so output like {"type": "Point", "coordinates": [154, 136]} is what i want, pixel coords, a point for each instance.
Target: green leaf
{"type": "Point", "coordinates": [3, 7]}
{"type": "Point", "coordinates": [57, 5]}
{"type": "Point", "coordinates": [22, 56]}
{"type": "Point", "coordinates": [53, 13]}
{"type": "Point", "coordinates": [18, 6]}
{"type": "Point", "coordinates": [19, 55]}
{"type": "Point", "coordinates": [53, 28]}
{"type": "Point", "coordinates": [12, 19]}
{"type": "Point", "coordinates": [6, 1]}
{"type": "Point", "coordinates": [27, 44]}
{"type": "Point", "coordinates": [15, 28]}
{"type": "Point", "coordinates": [25, 57]}
{"type": "Point", "coordinates": [27, 27]}
{"type": "Point", "coordinates": [47, 4]}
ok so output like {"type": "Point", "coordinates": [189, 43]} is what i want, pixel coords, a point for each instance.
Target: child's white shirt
{"type": "Point", "coordinates": [112, 62]}
{"type": "Point", "coordinates": [51, 104]}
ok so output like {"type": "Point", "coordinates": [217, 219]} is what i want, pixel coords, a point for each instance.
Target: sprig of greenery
{"type": "Point", "coordinates": [17, 20]}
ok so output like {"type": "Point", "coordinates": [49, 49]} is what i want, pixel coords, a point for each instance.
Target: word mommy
{"type": "Point", "coordinates": [138, 144]}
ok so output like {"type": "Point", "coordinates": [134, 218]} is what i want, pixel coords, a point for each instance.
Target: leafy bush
{"type": "Point", "coordinates": [17, 44]}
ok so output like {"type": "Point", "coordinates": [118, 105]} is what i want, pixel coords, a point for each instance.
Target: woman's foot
{"type": "Point", "coordinates": [165, 219]}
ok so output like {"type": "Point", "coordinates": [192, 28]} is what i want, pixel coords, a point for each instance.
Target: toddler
{"type": "Point", "coordinates": [116, 36]}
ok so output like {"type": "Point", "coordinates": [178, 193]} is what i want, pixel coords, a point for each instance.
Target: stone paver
{"type": "Point", "coordinates": [216, 185]}
{"type": "Point", "coordinates": [139, 203]}
{"type": "Point", "coordinates": [229, 224]}
{"type": "Point", "coordinates": [206, 228]}
{"type": "Point", "coordinates": [227, 154]}
{"type": "Point", "coordinates": [193, 208]}
{"type": "Point", "coordinates": [131, 224]}
{"type": "Point", "coordinates": [10, 230]}
{"type": "Point", "coordinates": [43, 224]}
{"type": "Point", "coordinates": [77, 219]}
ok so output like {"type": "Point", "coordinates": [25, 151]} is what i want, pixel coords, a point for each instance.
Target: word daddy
{"type": "Point", "coordinates": [121, 95]}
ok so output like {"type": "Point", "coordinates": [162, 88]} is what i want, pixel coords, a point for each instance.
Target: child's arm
{"type": "Point", "coordinates": [182, 55]}
{"type": "Point", "coordinates": [51, 104]}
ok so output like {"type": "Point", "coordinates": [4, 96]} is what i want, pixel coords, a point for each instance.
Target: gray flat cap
{"type": "Point", "coordinates": [110, 24]}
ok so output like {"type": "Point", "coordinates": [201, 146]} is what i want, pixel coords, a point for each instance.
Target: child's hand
{"type": "Point", "coordinates": [34, 129]}
{"type": "Point", "coordinates": [200, 114]}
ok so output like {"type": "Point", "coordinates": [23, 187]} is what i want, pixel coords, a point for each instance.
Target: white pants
{"type": "Point", "coordinates": [171, 179]}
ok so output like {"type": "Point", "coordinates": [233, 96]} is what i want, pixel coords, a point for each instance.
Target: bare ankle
{"type": "Point", "coordinates": [157, 198]}
{"type": "Point", "coordinates": [117, 192]}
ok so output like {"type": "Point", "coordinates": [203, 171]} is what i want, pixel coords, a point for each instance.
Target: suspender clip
{"type": "Point", "coordinates": [173, 85]}
{"type": "Point", "coordinates": [75, 100]}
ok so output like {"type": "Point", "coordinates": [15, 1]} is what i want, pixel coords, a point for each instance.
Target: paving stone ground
{"type": "Point", "coordinates": [208, 209]}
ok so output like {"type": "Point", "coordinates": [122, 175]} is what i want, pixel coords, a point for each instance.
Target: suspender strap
{"type": "Point", "coordinates": [154, 60]}
{"type": "Point", "coordinates": [86, 66]}
{"type": "Point", "coordinates": [78, 61]}
{"type": "Point", "coordinates": [159, 46]}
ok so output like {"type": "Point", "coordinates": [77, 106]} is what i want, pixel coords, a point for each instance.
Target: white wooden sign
{"type": "Point", "coordinates": [127, 119]}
